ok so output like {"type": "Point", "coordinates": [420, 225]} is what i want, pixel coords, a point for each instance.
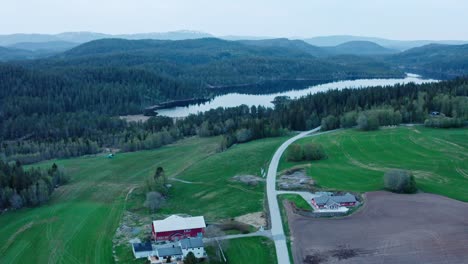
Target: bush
{"type": "Point", "coordinates": [349, 119]}
{"type": "Point", "coordinates": [313, 151]}
{"type": "Point", "coordinates": [154, 201]}
{"type": "Point", "coordinates": [399, 181]}
{"type": "Point", "coordinates": [443, 122]}
{"type": "Point", "coordinates": [368, 121]}
{"type": "Point", "coordinates": [294, 153]}
{"type": "Point", "coordinates": [309, 151]}
{"type": "Point", "coordinates": [243, 135]}
{"type": "Point", "coordinates": [330, 122]}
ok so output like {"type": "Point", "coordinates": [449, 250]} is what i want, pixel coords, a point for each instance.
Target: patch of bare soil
{"type": "Point", "coordinates": [132, 226]}
{"type": "Point", "coordinates": [295, 179]}
{"type": "Point", "coordinates": [250, 180]}
{"type": "Point", "coordinates": [391, 228]}
{"type": "Point", "coordinates": [254, 219]}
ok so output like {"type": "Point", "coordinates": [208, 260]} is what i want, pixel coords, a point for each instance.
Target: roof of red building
{"type": "Point", "coordinates": [175, 222]}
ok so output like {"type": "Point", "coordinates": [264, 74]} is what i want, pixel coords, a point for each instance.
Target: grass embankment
{"type": "Point", "coordinates": [78, 224]}
{"type": "Point", "coordinates": [357, 160]}
{"type": "Point", "coordinates": [301, 204]}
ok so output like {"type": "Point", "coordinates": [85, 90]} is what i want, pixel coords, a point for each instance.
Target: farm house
{"type": "Point", "coordinates": [170, 252]}
{"type": "Point", "coordinates": [327, 201]}
{"type": "Point", "coordinates": [176, 228]}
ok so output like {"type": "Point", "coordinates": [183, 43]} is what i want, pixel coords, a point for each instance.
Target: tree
{"type": "Point", "coordinates": [190, 258]}
{"type": "Point", "coordinates": [154, 201]}
{"type": "Point", "coordinates": [294, 153]}
{"type": "Point", "coordinates": [243, 135]}
{"type": "Point", "coordinates": [330, 122]}
{"type": "Point", "coordinates": [399, 181]}
{"type": "Point", "coordinates": [16, 202]}
{"type": "Point", "coordinates": [313, 151]}
{"type": "Point", "coordinates": [367, 121]}
{"type": "Point", "coordinates": [349, 119]}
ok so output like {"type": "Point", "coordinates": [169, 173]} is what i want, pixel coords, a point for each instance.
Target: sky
{"type": "Point", "coordinates": [394, 19]}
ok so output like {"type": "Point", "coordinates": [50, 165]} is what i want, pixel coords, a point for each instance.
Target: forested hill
{"type": "Point", "coordinates": [209, 62]}
{"type": "Point", "coordinates": [360, 48]}
{"type": "Point", "coordinates": [435, 60]}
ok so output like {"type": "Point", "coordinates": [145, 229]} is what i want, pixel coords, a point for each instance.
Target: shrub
{"type": "Point", "coordinates": [154, 201]}
{"type": "Point", "coordinates": [443, 122]}
{"type": "Point", "coordinates": [399, 181]}
{"type": "Point", "coordinates": [368, 121]}
{"type": "Point", "coordinates": [243, 135]}
{"type": "Point", "coordinates": [330, 122]}
{"type": "Point", "coordinates": [310, 151]}
{"type": "Point", "coordinates": [349, 119]}
{"type": "Point", "coordinates": [313, 151]}
{"type": "Point", "coordinates": [294, 153]}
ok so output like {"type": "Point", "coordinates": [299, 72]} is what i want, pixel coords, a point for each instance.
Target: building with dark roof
{"type": "Point", "coordinates": [334, 201]}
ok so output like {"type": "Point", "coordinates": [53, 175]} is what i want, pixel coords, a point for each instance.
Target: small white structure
{"type": "Point", "coordinates": [194, 245]}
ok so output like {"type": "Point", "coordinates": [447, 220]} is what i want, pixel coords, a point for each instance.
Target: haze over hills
{"type": "Point", "coordinates": [81, 37]}
{"type": "Point", "coordinates": [441, 61]}
{"type": "Point", "coordinates": [388, 43]}
{"type": "Point", "coordinates": [360, 48]}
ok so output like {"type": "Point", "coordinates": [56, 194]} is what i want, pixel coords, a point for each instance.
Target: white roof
{"type": "Point", "coordinates": [175, 222]}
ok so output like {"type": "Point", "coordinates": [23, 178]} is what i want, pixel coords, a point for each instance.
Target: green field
{"type": "Point", "coordinates": [249, 250]}
{"type": "Point", "coordinates": [357, 160]}
{"type": "Point", "coordinates": [78, 224]}
{"type": "Point", "coordinates": [296, 199]}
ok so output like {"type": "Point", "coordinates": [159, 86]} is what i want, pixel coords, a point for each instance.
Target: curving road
{"type": "Point", "coordinates": [277, 230]}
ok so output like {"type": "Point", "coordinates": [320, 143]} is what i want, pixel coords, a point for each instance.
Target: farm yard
{"type": "Point", "coordinates": [357, 160]}
{"type": "Point", "coordinates": [391, 228]}
{"type": "Point", "coordinates": [79, 223]}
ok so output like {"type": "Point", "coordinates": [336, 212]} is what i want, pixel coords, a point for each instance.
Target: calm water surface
{"type": "Point", "coordinates": [236, 99]}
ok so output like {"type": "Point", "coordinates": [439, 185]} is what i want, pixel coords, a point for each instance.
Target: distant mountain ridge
{"type": "Point", "coordinates": [321, 41]}
{"type": "Point", "coordinates": [82, 37]}
{"type": "Point", "coordinates": [334, 40]}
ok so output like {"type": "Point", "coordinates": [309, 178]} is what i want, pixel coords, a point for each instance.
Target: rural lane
{"type": "Point", "coordinates": [277, 230]}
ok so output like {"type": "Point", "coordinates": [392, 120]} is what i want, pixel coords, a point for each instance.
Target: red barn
{"type": "Point", "coordinates": [175, 228]}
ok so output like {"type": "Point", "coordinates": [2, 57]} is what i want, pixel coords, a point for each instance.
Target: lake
{"type": "Point", "coordinates": [236, 99]}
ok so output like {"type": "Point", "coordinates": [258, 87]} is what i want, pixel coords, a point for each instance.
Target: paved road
{"type": "Point", "coordinates": [277, 230]}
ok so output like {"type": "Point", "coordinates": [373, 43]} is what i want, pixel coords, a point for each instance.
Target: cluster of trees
{"type": "Point", "coordinates": [32, 187]}
{"type": "Point", "coordinates": [399, 181]}
{"type": "Point", "coordinates": [309, 151]}
{"type": "Point", "coordinates": [444, 122]}
{"type": "Point", "coordinates": [157, 190]}
{"type": "Point", "coordinates": [371, 107]}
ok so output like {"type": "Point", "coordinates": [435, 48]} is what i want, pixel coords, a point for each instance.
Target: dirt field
{"type": "Point", "coordinates": [391, 228]}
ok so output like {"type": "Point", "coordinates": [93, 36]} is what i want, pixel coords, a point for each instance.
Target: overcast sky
{"type": "Point", "coordinates": [395, 19]}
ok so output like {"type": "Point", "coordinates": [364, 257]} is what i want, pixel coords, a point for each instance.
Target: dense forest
{"type": "Point", "coordinates": [69, 105]}
{"type": "Point", "coordinates": [74, 134]}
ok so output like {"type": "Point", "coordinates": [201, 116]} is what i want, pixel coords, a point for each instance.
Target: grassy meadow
{"type": "Point", "coordinates": [357, 160]}
{"type": "Point", "coordinates": [77, 225]}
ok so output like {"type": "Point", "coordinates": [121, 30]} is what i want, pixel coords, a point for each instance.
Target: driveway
{"type": "Point", "coordinates": [277, 230]}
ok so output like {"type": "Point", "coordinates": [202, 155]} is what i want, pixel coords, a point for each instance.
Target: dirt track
{"type": "Point", "coordinates": [391, 228]}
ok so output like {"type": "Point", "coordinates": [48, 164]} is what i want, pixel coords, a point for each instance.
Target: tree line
{"type": "Point", "coordinates": [38, 137]}
{"type": "Point", "coordinates": [30, 187]}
